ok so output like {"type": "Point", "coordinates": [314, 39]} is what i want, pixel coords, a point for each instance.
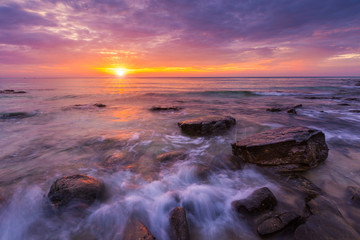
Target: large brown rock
{"type": "Point", "coordinates": [300, 148]}
{"type": "Point", "coordinates": [259, 201]}
{"type": "Point", "coordinates": [208, 125]}
{"type": "Point", "coordinates": [79, 188]}
{"type": "Point", "coordinates": [178, 224]}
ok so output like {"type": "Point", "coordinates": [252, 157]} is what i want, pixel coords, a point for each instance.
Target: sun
{"type": "Point", "coordinates": [120, 71]}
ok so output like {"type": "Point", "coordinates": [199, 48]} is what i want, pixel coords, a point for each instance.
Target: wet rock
{"type": "Point", "coordinates": [178, 224]}
{"type": "Point", "coordinates": [259, 201]}
{"type": "Point", "coordinates": [208, 125]}
{"type": "Point", "coordinates": [344, 104]}
{"type": "Point", "coordinates": [113, 159]}
{"type": "Point", "coordinates": [298, 147]}
{"type": "Point", "coordinates": [354, 195]}
{"type": "Point", "coordinates": [291, 111]}
{"type": "Point", "coordinates": [16, 115]}
{"type": "Point", "coordinates": [171, 156]}
{"type": "Point", "coordinates": [357, 84]}
{"type": "Point", "coordinates": [354, 111]}
{"type": "Point", "coordinates": [162, 108]}
{"type": "Point", "coordinates": [325, 222]}
{"type": "Point", "coordinates": [135, 230]}
{"type": "Point", "coordinates": [10, 91]}
{"type": "Point", "coordinates": [277, 223]}
{"type": "Point", "coordinates": [99, 105]}
{"type": "Point", "coordinates": [80, 188]}
{"type": "Point", "coordinates": [288, 109]}
{"type": "Point", "coordinates": [202, 172]}
{"type": "Point", "coordinates": [303, 185]}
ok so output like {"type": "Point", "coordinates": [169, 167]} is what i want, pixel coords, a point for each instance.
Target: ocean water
{"type": "Point", "coordinates": [119, 144]}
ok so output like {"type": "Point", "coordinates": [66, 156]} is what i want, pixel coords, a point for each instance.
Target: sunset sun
{"type": "Point", "coordinates": [120, 72]}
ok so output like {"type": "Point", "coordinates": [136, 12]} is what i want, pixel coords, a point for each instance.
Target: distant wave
{"type": "Point", "coordinates": [224, 93]}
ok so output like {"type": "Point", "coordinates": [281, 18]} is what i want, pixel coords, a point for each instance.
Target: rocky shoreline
{"type": "Point", "coordinates": [282, 153]}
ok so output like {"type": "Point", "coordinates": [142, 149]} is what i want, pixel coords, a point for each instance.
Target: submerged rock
{"type": "Point", "coordinates": [277, 223]}
{"type": "Point", "coordinates": [135, 230]}
{"type": "Point", "coordinates": [161, 108]}
{"type": "Point", "coordinates": [354, 111]}
{"type": "Point", "coordinates": [179, 224]}
{"type": "Point", "coordinates": [79, 188]}
{"type": "Point", "coordinates": [354, 195]}
{"type": "Point", "coordinates": [10, 91]}
{"type": "Point", "coordinates": [259, 201]}
{"type": "Point", "coordinates": [171, 156]}
{"type": "Point", "coordinates": [303, 185]}
{"type": "Point", "coordinates": [16, 115]}
{"type": "Point", "coordinates": [325, 222]}
{"type": "Point", "coordinates": [99, 105]}
{"type": "Point", "coordinates": [208, 125]}
{"type": "Point", "coordinates": [298, 147]}
{"type": "Point", "coordinates": [288, 109]}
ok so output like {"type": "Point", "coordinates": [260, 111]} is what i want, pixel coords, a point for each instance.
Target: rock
{"type": "Point", "coordinates": [171, 156]}
{"type": "Point", "coordinates": [79, 188]}
{"type": "Point", "coordinates": [114, 159]}
{"type": "Point", "coordinates": [208, 125]}
{"type": "Point", "coordinates": [277, 223]}
{"type": "Point", "coordinates": [295, 146]}
{"type": "Point", "coordinates": [354, 195]}
{"type": "Point", "coordinates": [99, 105]}
{"type": "Point", "coordinates": [344, 104]}
{"type": "Point", "coordinates": [288, 109]}
{"type": "Point", "coordinates": [304, 185]}
{"type": "Point", "coordinates": [202, 171]}
{"type": "Point", "coordinates": [135, 230]}
{"type": "Point", "coordinates": [259, 201]}
{"type": "Point", "coordinates": [16, 115]}
{"type": "Point", "coordinates": [10, 91]}
{"type": "Point", "coordinates": [178, 224]}
{"type": "Point", "coordinates": [354, 111]}
{"type": "Point", "coordinates": [292, 111]}
{"type": "Point", "coordinates": [326, 222]}
{"type": "Point", "coordinates": [357, 84]}
{"type": "Point", "coordinates": [160, 108]}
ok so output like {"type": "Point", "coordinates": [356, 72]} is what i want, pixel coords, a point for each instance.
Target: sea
{"type": "Point", "coordinates": [65, 134]}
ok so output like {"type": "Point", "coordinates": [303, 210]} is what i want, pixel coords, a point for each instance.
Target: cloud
{"type": "Point", "coordinates": [183, 32]}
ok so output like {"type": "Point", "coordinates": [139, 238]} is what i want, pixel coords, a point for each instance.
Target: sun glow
{"type": "Point", "coordinates": [120, 71]}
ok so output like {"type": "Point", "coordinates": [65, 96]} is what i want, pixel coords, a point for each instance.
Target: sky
{"type": "Point", "coordinates": [67, 38]}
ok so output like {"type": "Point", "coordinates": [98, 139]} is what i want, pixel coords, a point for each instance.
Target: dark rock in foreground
{"type": "Point", "coordinates": [160, 108]}
{"type": "Point", "coordinates": [79, 188]}
{"type": "Point", "coordinates": [10, 91]}
{"type": "Point", "coordinates": [325, 222]}
{"type": "Point", "coordinates": [16, 115]}
{"type": "Point", "coordinates": [260, 200]}
{"type": "Point", "coordinates": [179, 225]}
{"type": "Point", "coordinates": [354, 195]}
{"type": "Point", "coordinates": [135, 230]}
{"type": "Point", "coordinates": [277, 223]}
{"type": "Point", "coordinates": [299, 147]}
{"type": "Point", "coordinates": [208, 125]}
